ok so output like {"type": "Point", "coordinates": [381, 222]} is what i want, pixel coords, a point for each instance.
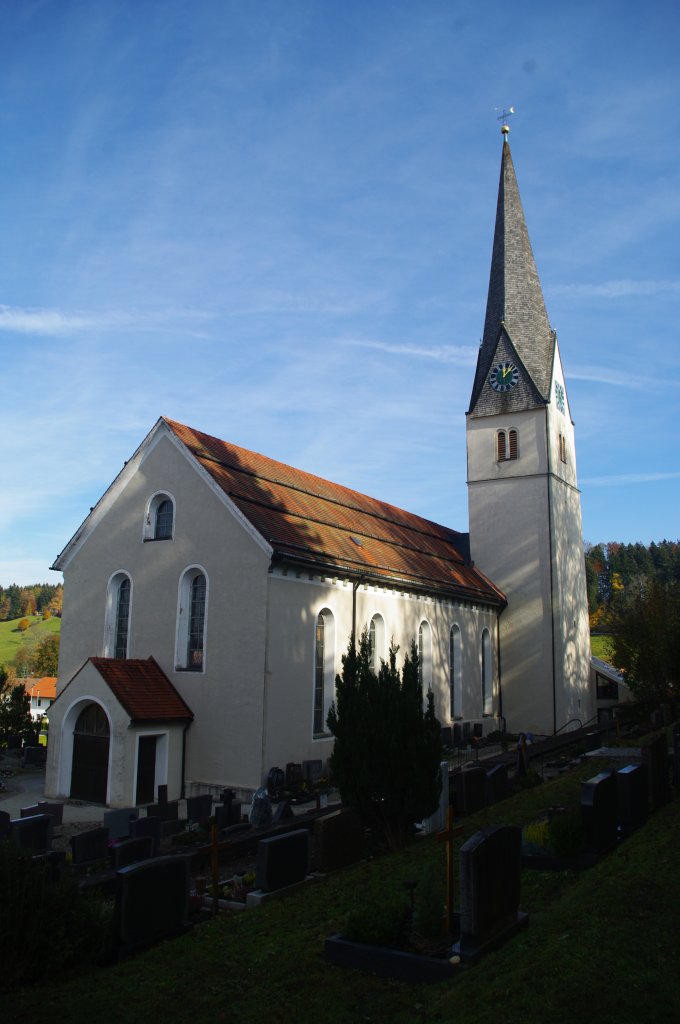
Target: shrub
{"type": "Point", "coordinates": [377, 926]}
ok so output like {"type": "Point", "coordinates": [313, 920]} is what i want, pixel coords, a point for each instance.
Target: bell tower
{"type": "Point", "coordinates": [523, 498]}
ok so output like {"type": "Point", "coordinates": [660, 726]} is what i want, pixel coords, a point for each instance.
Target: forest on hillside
{"type": "Point", "coordinates": [615, 571]}
{"type": "Point", "coordinates": [17, 602]}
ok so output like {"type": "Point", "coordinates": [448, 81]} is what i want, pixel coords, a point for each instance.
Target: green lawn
{"type": "Point", "coordinates": [11, 638]}
{"type": "Point", "coordinates": [600, 647]}
{"type": "Point", "coordinates": [601, 946]}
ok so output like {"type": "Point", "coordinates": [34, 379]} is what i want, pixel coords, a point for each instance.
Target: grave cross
{"type": "Point", "coordinates": [447, 836]}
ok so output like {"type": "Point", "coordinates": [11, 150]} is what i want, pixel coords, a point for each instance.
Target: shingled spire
{"type": "Point", "coordinates": [516, 323]}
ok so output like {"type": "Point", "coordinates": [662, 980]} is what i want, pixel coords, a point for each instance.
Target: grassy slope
{"type": "Point", "coordinates": [11, 638]}
{"type": "Point", "coordinates": [601, 946]}
{"type": "Point", "coordinates": [600, 647]}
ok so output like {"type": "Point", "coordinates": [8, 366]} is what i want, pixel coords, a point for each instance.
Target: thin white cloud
{"type": "Point", "coordinates": [623, 479]}
{"type": "Point", "coordinates": [612, 377]}
{"type": "Point", "coordinates": [466, 354]}
{"type": "Point", "coordinates": [618, 289]}
{"type": "Point", "coordinates": [57, 322]}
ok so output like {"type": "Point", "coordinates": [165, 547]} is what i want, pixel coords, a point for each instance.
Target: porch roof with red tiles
{"type": "Point", "coordinates": [327, 527]}
{"type": "Point", "coordinates": [143, 689]}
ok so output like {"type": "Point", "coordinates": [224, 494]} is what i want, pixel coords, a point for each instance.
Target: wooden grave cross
{"type": "Point", "coordinates": [447, 836]}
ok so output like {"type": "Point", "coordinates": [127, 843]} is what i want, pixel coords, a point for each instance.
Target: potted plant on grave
{"type": "Point", "coordinates": [557, 839]}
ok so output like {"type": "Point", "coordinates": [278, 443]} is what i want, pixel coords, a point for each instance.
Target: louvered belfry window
{"type": "Point", "coordinates": [507, 445]}
{"type": "Point", "coordinates": [501, 446]}
{"type": "Point", "coordinates": [513, 445]}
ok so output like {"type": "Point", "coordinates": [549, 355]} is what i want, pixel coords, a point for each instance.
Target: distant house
{"type": "Point", "coordinates": [610, 688]}
{"type": "Point", "coordinates": [42, 692]}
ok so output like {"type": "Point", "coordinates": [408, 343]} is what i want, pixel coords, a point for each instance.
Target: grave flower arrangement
{"type": "Point", "coordinates": [558, 833]}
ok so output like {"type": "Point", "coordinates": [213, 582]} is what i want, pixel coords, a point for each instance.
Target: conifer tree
{"type": "Point", "coordinates": [387, 749]}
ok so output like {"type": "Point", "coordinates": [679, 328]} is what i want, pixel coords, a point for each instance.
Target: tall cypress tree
{"type": "Point", "coordinates": [387, 749]}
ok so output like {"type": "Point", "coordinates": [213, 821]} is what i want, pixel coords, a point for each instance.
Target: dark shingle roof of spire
{"type": "Point", "coordinates": [515, 298]}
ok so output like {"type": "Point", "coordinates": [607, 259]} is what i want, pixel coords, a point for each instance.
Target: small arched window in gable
{"type": "Point", "coordinates": [159, 521]}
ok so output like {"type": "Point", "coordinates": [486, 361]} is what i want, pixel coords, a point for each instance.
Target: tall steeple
{"type": "Point", "coordinates": [515, 310]}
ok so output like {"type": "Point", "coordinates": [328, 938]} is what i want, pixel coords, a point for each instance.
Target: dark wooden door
{"type": "Point", "coordinates": [90, 766]}
{"type": "Point", "coordinates": [146, 770]}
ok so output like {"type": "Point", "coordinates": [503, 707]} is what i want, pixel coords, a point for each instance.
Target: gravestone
{"type": "Point", "coordinates": [152, 901]}
{"type": "Point", "coordinates": [151, 827]}
{"type": "Point", "coordinates": [447, 736]}
{"type": "Point", "coordinates": [227, 814]}
{"type": "Point", "coordinates": [599, 810]}
{"type": "Point", "coordinates": [470, 790]}
{"type": "Point", "coordinates": [33, 757]}
{"type": "Point", "coordinates": [457, 734]}
{"type": "Point", "coordinates": [168, 811]}
{"type": "Point", "coordinates": [5, 822]}
{"type": "Point", "coordinates": [33, 833]}
{"type": "Point", "coordinates": [282, 860]}
{"type": "Point", "coordinates": [632, 796]}
{"type": "Point", "coordinates": [261, 809]}
{"type": "Point", "coordinates": [496, 783]}
{"type": "Point", "coordinates": [490, 873]}
{"type": "Point", "coordinates": [29, 811]}
{"type": "Point", "coordinates": [339, 840]}
{"type": "Point", "coordinates": [118, 821]}
{"type": "Point", "coordinates": [437, 820]}
{"type": "Point", "coordinates": [312, 771]}
{"type": "Point", "coordinates": [293, 775]}
{"type": "Point", "coordinates": [655, 757]}
{"type": "Point", "coordinates": [130, 851]}
{"type": "Point", "coordinates": [90, 846]}
{"type": "Point", "coordinates": [199, 808]}
{"type": "Point", "coordinates": [56, 811]}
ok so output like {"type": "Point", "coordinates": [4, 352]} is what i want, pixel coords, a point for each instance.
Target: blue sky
{"type": "Point", "coordinates": [273, 221]}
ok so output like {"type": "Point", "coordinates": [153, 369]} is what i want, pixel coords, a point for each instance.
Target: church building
{"type": "Point", "coordinates": [211, 592]}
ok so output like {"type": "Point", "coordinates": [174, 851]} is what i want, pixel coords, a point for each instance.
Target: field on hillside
{"type": "Point", "coordinates": [11, 638]}
{"type": "Point", "coordinates": [600, 646]}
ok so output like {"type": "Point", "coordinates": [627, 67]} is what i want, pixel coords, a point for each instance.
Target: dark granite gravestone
{"type": "Point", "coordinates": [162, 795]}
{"type": "Point", "coordinates": [5, 821]}
{"type": "Point", "coordinates": [470, 790]}
{"type": "Point", "coordinates": [88, 847]}
{"type": "Point", "coordinates": [632, 797]}
{"type": "Point", "coordinates": [283, 812]}
{"type": "Point", "coordinates": [227, 814]}
{"type": "Point", "coordinates": [599, 811]}
{"type": "Point", "coordinates": [282, 860]}
{"type": "Point", "coordinates": [338, 840]}
{"type": "Point", "coordinates": [490, 873]}
{"type": "Point", "coordinates": [29, 811]}
{"type": "Point", "coordinates": [33, 833]}
{"type": "Point", "coordinates": [33, 757]}
{"type": "Point", "coordinates": [457, 734]}
{"type": "Point", "coordinates": [227, 795]}
{"type": "Point", "coordinates": [130, 851]}
{"type": "Point", "coordinates": [312, 771]}
{"type": "Point", "coordinates": [447, 736]}
{"type": "Point", "coordinates": [293, 775]}
{"type": "Point", "coordinates": [199, 808]}
{"type": "Point", "coordinates": [56, 811]}
{"type": "Point", "coordinates": [168, 811]}
{"type": "Point", "coordinates": [676, 755]}
{"type": "Point", "coordinates": [496, 783]}
{"type": "Point", "coordinates": [261, 809]}
{"type": "Point", "coordinates": [152, 901]}
{"type": "Point", "coordinates": [118, 821]}
{"type": "Point", "coordinates": [655, 757]}
{"type": "Point", "coordinates": [152, 827]}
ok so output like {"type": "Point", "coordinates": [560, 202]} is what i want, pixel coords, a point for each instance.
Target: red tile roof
{"type": "Point", "coordinates": [328, 527]}
{"type": "Point", "coordinates": [45, 687]}
{"type": "Point", "coordinates": [143, 689]}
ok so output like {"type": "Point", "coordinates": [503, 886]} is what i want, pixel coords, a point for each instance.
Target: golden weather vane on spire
{"type": "Point", "coordinates": [506, 113]}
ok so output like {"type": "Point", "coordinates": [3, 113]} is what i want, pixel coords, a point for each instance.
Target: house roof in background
{"type": "Point", "coordinates": [45, 687]}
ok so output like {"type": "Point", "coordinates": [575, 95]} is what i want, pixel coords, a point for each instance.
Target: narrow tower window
{"type": "Point", "coordinates": [513, 445]}
{"type": "Point", "coordinates": [501, 446]}
{"type": "Point", "coordinates": [563, 448]}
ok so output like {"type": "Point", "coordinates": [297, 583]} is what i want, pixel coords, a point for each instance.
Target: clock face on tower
{"type": "Point", "coordinates": [504, 376]}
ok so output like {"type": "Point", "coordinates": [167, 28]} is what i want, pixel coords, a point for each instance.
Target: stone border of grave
{"type": "Point", "coordinates": [395, 964]}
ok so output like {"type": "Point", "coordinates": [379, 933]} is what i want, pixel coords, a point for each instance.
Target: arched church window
{"type": "Point", "coordinates": [513, 444]}
{"type": "Point", "coordinates": [487, 683]}
{"type": "Point", "coordinates": [324, 670]}
{"type": "Point", "coordinates": [563, 448]}
{"type": "Point", "coordinates": [376, 641]}
{"type": "Point", "coordinates": [425, 655]}
{"type": "Point", "coordinates": [455, 673]}
{"type": "Point", "coordinates": [117, 616]}
{"type": "Point", "coordinates": [159, 520]}
{"type": "Point", "coordinates": [501, 446]}
{"type": "Point", "coordinates": [191, 621]}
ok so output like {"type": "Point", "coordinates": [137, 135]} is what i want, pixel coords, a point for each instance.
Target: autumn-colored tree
{"type": "Point", "coordinates": [47, 614]}
{"type": "Point", "coordinates": [46, 656]}
{"type": "Point", "coordinates": [646, 640]}
{"type": "Point", "coordinates": [23, 625]}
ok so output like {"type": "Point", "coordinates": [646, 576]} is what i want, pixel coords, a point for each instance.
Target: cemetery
{"type": "Point", "coordinates": [460, 902]}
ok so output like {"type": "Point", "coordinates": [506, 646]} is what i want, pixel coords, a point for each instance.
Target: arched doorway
{"type": "Point", "coordinates": [90, 768]}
